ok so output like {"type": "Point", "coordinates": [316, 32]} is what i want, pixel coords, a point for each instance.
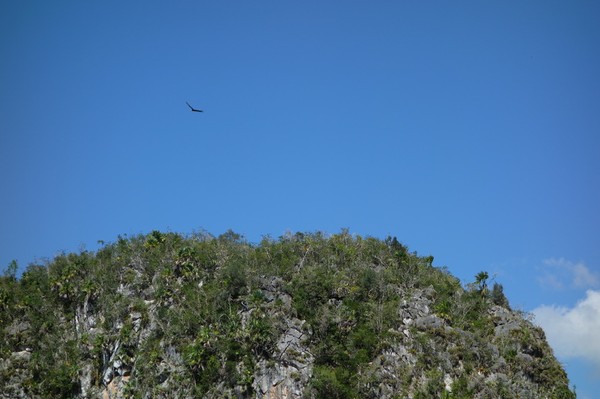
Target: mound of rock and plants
{"type": "Point", "coordinates": [306, 315]}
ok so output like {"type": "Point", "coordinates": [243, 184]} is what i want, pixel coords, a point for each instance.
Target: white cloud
{"type": "Point", "coordinates": [561, 273]}
{"type": "Point", "coordinates": [583, 277]}
{"type": "Point", "coordinates": [551, 281]}
{"type": "Point", "coordinates": [573, 332]}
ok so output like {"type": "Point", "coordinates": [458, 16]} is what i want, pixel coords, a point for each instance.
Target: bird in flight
{"type": "Point", "coordinates": [192, 108]}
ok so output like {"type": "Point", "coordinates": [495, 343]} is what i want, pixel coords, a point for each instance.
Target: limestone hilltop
{"type": "Point", "coordinates": [307, 315]}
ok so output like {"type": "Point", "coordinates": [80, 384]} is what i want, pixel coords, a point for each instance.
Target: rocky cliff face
{"type": "Point", "coordinates": [305, 316]}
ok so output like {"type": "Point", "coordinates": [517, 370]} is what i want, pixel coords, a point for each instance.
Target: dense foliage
{"type": "Point", "coordinates": [203, 300]}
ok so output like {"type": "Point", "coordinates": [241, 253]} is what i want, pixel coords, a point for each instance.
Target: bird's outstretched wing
{"type": "Point", "coordinates": [192, 108]}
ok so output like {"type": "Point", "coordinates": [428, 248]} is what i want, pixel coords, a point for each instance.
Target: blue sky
{"type": "Point", "coordinates": [469, 130]}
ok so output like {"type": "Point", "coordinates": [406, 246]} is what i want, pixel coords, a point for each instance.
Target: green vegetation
{"type": "Point", "coordinates": [200, 314]}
